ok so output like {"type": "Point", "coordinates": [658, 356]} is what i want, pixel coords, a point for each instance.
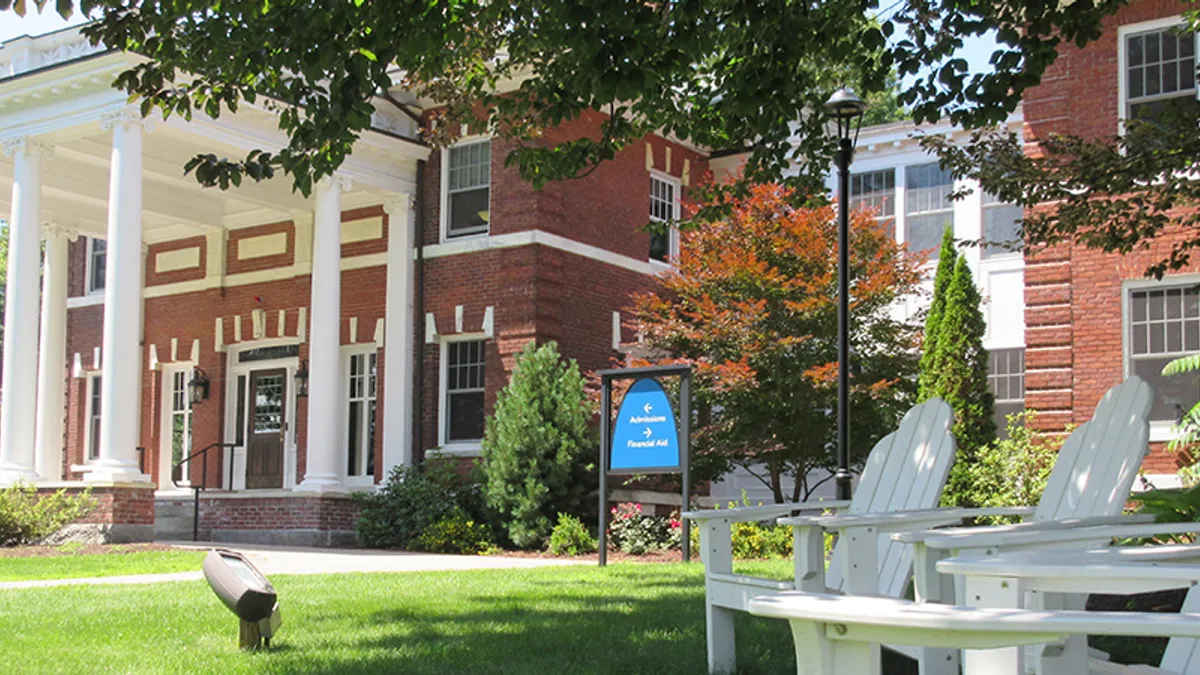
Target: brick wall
{"type": "Point", "coordinates": [115, 505]}
{"type": "Point", "coordinates": [1073, 295]}
{"type": "Point", "coordinates": [279, 513]}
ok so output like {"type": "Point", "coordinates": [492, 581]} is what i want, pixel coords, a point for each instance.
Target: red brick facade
{"type": "Point", "coordinates": [535, 291]}
{"type": "Point", "coordinates": [1074, 296]}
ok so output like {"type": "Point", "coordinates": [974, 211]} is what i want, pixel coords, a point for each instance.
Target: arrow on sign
{"type": "Point", "coordinates": [648, 432]}
{"type": "Point", "coordinates": [647, 408]}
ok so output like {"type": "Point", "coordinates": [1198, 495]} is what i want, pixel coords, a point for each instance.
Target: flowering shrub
{"type": "Point", "coordinates": [456, 533]}
{"type": "Point", "coordinates": [634, 532]}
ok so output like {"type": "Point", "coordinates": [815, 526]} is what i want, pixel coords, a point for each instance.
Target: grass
{"type": "Point", "coordinates": [627, 619]}
{"type": "Point", "coordinates": [99, 565]}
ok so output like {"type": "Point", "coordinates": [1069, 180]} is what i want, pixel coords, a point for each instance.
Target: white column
{"type": "Point", "coordinates": [398, 336]}
{"type": "Point", "coordinates": [52, 355]}
{"type": "Point", "coordinates": [324, 341]}
{"type": "Point", "coordinates": [17, 423]}
{"type": "Point", "coordinates": [121, 346]}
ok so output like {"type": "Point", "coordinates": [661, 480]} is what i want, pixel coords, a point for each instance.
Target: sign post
{"type": "Point", "coordinates": [646, 436]}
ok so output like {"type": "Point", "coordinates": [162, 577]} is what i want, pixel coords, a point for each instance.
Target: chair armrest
{"type": "Point", "coordinates": [1058, 532]}
{"type": "Point", "coordinates": [765, 512]}
{"type": "Point", "coordinates": [991, 532]}
{"type": "Point", "coordinates": [888, 521]}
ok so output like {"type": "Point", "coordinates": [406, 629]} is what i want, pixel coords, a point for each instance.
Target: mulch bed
{"type": "Point", "coordinates": [613, 556]}
{"type": "Point", "coordinates": [88, 549]}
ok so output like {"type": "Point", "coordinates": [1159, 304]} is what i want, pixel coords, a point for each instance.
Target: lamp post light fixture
{"type": "Point", "coordinates": [845, 111]}
{"type": "Point", "coordinates": [302, 379]}
{"type": "Point", "coordinates": [198, 386]}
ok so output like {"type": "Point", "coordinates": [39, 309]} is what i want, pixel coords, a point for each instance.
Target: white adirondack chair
{"type": "Point", "coordinates": [907, 469]}
{"type": "Point", "coordinates": [1182, 656]}
{"type": "Point", "coordinates": [840, 635]}
{"type": "Point", "coordinates": [1092, 476]}
{"type": "Point", "coordinates": [1089, 485]}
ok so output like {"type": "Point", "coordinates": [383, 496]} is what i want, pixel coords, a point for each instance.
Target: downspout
{"type": "Point", "coordinates": [418, 411]}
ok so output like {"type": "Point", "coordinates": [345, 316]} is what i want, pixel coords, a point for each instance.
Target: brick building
{"type": "Point", "coordinates": [312, 343]}
{"type": "Point", "coordinates": [1093, 319]}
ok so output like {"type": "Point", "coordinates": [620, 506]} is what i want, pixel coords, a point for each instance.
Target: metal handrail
{"type": "Point", "coordinates": [196, 489]}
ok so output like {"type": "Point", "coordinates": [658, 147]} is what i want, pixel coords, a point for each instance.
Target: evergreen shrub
{"type": "Point", "coordinates": [26, 517]}
{"type": "Point", "coordinates": [538, 447]}
{"type": "Point", "coordinates": [571, 537]}
{"type": "Point", "coordinates": [412, 501]}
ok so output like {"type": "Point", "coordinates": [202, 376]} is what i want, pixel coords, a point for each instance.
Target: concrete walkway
{"type": "Point", "coordinates": [301, 560]}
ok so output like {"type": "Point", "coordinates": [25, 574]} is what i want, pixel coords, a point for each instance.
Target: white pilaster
{"type": "Point", "coordinates": [324, 358]}
{"type": "Point", "coordinates": [120, 388]}
{"type": "Point", "coordinates": [17, 417]}
{"type": "Point", "coordinates": [52, 355]}
{"type": "Point", "coordinates": [398, 336]}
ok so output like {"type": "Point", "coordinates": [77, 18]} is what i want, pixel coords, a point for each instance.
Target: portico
{"type": "Point", "coordinates": [172, 279]}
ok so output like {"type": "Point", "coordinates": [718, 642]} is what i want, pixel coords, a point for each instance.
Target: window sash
{"type": "Point", "coordinates": [97, 262]}
{"type": "Point", "coordinates": [1159, 65]}
{"type": "Point", "coordinates": [93, 449]}
{"type": "Point", "coordinates": [468, 187]}
{"type": "Point", "coordinates": [875, 190]}
{"type": "Point", "coordinates": [464, 391]}
{"type": "Point", "coordinates": [361, 406]}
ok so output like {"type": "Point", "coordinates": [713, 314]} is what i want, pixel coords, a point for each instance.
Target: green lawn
{"type": "Point", "coordinates": [624, 619]}
{"type": "Point", "coordinates": [101, 565]}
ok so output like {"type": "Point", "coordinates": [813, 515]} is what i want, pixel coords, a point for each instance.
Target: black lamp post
{"type": "Point", "coordinates": [845, 111]}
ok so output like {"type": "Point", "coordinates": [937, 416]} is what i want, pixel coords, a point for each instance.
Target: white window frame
{"type": "Point", "coordinates": [349, 352]}
{"type": "Point", "coordinates": [1160, 431]}
{"type": "Point", "coordinates": [447, 447]}
{"type": "Point", "coordinates": [673, 235]}
{"type": "Point", "coordinates": [902, 226]}
{"type": "Point", "coordinates": [1122, 59]}
{"type": "Point", "coordinates": [87, 268]}
{"type": "Point", "coordinates": [444, 211]}
{"type": "Point", "coordinates": [166, 456]}
{"type": "Point", "coordinates": [88, 412]}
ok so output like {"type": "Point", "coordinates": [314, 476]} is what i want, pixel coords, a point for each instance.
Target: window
{"type": "Point", "coordinates": [97, 259]}
{"type": "Point", "coordinates": [93, 417]}
{"type": "Point", "coordinates": [1164, 323]}
{"type": "Point", "coordinates": [1001, 225]}
{"type": "Point", "coordinates": [1006, 380]}
{"type": "Point", "coordinates": [181, 423]}
{"type": "Point", "coordinates": [927, 207]}
{"type": "Point", "coordinates": [464, 390]}
{"type": "Point", "coordinates": [664, 207]}
{"type": "Point", "coordinates": [468, 188]}
{"type": "Point", "coordinates": [1160, 71]}
{"type": "Point", "coordinates": [360, 417]}
{"type": "Point", "coordinates": [875, 190]}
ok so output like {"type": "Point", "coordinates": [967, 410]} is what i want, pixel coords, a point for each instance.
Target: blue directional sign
{"type": "Point", "coordinates": [645, 435]}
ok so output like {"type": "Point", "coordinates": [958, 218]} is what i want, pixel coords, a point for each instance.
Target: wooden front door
{"type": "Point", "coordinates": [266, 428]}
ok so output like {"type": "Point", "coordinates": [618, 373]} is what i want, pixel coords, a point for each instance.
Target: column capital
{"type": "Point", "coordinates": [397, 202]}
{"type": "Point", "coordinates": [51, 230]}
{"type": "Point", "coordinates": [27, 145]}
{"type": "Point", "coordinates": [338, 180]}
{"type": "Point", "coordinates": [125, 117]}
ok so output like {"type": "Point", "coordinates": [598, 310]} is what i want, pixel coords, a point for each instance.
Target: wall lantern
{"type": "Point", "coordinates": [198, 386]}
{"type": "Point", "coordinates": [302, 379]}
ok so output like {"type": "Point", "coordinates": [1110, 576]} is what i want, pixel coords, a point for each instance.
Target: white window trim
{"type": "Point", "coordinates": [1125, 31]}
{"type": "Point", "coordinates": [1160, 431]}
{"type": "Point", "coordinates": [166, 459]}
{"type": "Point", "coordinates": [89, 382]}
{"type": "Point", "coordinates": [348, 352]}
{"type": "Point", "coordinates": [444, 211]}
{"type": "Point", "coordinates": [446, 447]}
{"type": "Point", "coordinates": [676, 210]}
{"type": "Point", "coordinates": [87, 270]}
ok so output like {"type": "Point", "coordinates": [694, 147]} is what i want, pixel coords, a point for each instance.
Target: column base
{"type": "Point", "coordinates": [12, 474]}
{"type": "Point", "coordinates": [320, 483]}
{"type": "Point", "coordinates": [115, 472]}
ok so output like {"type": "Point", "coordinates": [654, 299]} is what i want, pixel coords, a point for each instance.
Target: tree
{"type": "Point", "coordinates": [537, 445]}
{"type": "Point", "coordinates": [1118, 194]}
{"type": "Point", "coordinates": [933, 319]}
{"type": "Point", "coordinates": [752, 304]}
{"type": "Point", "coordinates": [958, 374]}
{"type": "Point", "coordinates": [719, 73]}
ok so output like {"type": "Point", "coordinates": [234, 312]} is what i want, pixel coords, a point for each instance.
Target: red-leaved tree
{"type": "Point", "coordinates": [752, 303]}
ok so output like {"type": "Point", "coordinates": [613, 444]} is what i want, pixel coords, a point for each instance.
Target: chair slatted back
{"type": "Point", "coordinates": [906, 470]}
{"type": "Point", "coordinates": [1099, 461]}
